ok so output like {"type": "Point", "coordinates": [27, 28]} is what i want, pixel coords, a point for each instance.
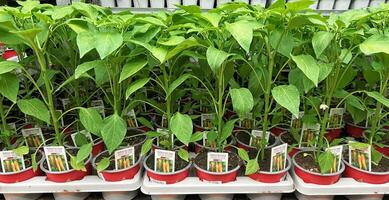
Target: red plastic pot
{"type": "Point", "coordinates": [384, 150]}
{"type": "Point", "coordinates": [23, 175]}
{"type": "Point", "coordinates": [167, 178]}
{"type": "Point", "coordinates": [67, 176]}
{"type": "Point", "coordinates": [117, 175]}
{"type": "Point", "coordinates": [271, 177]}
{"type": "Point", "coordinates": [355, 131]}
{"type": "Point", "coordinates": [316, 178]}
{"type": "Point", "coordinates": [10, 55]}
{"type": "Point", "coordinates": [277, 131]}
{"type": "Point", "coordinates": [333, 133]}
{"type": "Point", "coordinates": [365, 176]}
{"type": "Point", "coordinates": [224, 177]}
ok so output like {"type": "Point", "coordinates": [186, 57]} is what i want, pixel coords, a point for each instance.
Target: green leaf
{"type": "Point", "coordinates": [243, 154]}
{"type": "Point", "coordinates": [91, 120]}
{"type": "Point", "coordinates": [252, 167]}
{"type": "Point", "coordinates": [9, 86]}
{"type": "Point", "coordinates": [84, 152]}
{"type": "Point", "coordinates": [379, 97]}
{"type": "Point", "coordinates": [227, 130]}
{"type": "Point", "coordinates": [376, 156]}
{"type": "Point", "coordinates": [103, 164]}
{"type": "Point", "coordinates": [107, 42]}
{"type": "Point", "coordinates": [36, 108]}
{"type": "Point", "coordinates": [158, 52]}
{"type": "Point", "coordinates": [242, 100]}
{"type": "Point", "coordinates": [86, 66]}
{"type": "Point", "coordinates": [184, 155]}
{"type": "Point", "coordinates": [212, 18]}
{"type": "Point", "coordinates": [113, 132]}
{"type": "Point", "coordinates": [138, 84]}
{"type": "Point", "coordinates": [7, 66]}
{"type": "Point", "coordinates": [177, 83]}
{"type": "Point", "coordinates": [172, 41]}
{"type": "Point", "coordinates": [132, 68]}
{"type": "Point", "coordinates": [146, 147]}
{"type": "Point", "coordinates": [242, 31]}
{"type": "Point", "coordinates": [284, 42]}
{"type": "Point", "coordinates": [375, 44]}
{"type": "Point", "coordinates": [216, 57]}
{"type": "Point", "coordinates": [22, 150]}
{"type": "Point", "coordinates": [299, 5]}
{"type": "Point", "coordinates": [28, 35]}
{"type": "Point", "coordinates": [197, 137]}
{"type": "Point", "coordinates": [152, 20]}
{"type": "Point", "coordinates": [85, 42]}
{"type": "Point", "coordinates": [288, 97]}
{"type": "Point", "coordinates": [188, 43]}
{"type": "Point", "coordinates": [143, 121]}
{"type": "Point", "coordinates": [320, 41]}
{"type": "Point", "coordinates": [182, 127]}
{"type": "Point", "coordinates": [326, 160]}
{"type": "Point", "coordinates": [308, 65]}
{"type": "Point", "coordinates": [76, 165]}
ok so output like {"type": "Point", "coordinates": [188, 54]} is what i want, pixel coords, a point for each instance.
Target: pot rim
{"type": "Point", "coordinates": [114, 171]}
{"type": "Point", "coordinates": [63, 172]}
{"type": "Point", "coordinates": [279, 172]}
{"type": "Point", "coordinates": [342, 167]}
{"type": "Point", "coordinates": [24, 170]}
{"type": "Point", "coordinates": [215, 173]}
{"type": "Point", "coordinates": [364, 171]}
{"type": "Point", "coordinates": [364, 136]}
{"type": "Point", "coordinates": [276, 140]}
{"type": "Point", "coordinates": [352, 124]}
{"type": "Point", "coordinates": [164, 174]}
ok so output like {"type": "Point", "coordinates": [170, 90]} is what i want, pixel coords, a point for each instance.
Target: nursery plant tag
{"type": "Point", "coordinates": [256, 137]}
{"type": "Point", "coordinates": [65, 102]}
{"type": "Point", "coordinates": [360, 155]}
{"type": "Point", "coordinates": [164, 161]}
{"type": "Point", "coordinates": [165, 136]}
{"type": "Point", "coordinates": [337, 152]}
{"type": "Point", "coordinates": [336, 118]}
{"type": "Point", "coordinates": [56, 158]}
{"type": "Point", "coordinates": [33, 137]}
{"type": "Point", "coordinates": [11, 162]}
{"type": "Point", "coordinates": [206, 120]}
{"type": "Point", "coordinates": [124, 158]}
{"type": "Point", "coordinates": [12, 126]}
{"type": "Point", "coordinates": [309, 134]}
{"type": "Point", "coordinates": [296, 123]}
{"type": "Point", "coordinates": [217, 162]}
{"type": "Point", "coordinates": [247, 121]}
{"type": "Point", "coordinates": [278, 158]}
{"type": "Point", "coordinates": [99, 106]}
{"type": "Point", "coordinates": [81, 137]}
{"type": "Point", "coordinates": [131, 121]}
{"type": "Point", "coordinates": [164, 121]}
{"type": "Point", "coordinates": [59, 113]}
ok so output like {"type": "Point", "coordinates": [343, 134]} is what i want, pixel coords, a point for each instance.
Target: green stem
{"type": "Point", "coordinates": [377, 113]}
{"type": "Point", "coordinates": [219, 111]}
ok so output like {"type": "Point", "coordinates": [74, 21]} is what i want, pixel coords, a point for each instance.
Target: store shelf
{"type": "Point", "coordinates": [345, 186]}
{"type": "Point", "coordinates": [192, 185]}
{"type": "Point", "coordinates": [88, 184]}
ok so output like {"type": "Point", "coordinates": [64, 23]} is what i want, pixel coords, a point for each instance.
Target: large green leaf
{"type": "Point", "coordinates": [107, 42]}
{"type": "Point", "coordinates": [132, 67]}
{"type": "Point", "coordinates": [288, 97]}
{"type": "Point", "coordinates": [9, 86]}
{"type": "Point", "coordinates": [379, 97]}
{"type": "Point", "coordinates": [308, 65]}
{"type": "Point", "coordinates": [91, 120]}
{"type": "Point", "coordinates": [212, 18]}
{"type": "Point", "coordinates": [158, 52]}
{"type": "Point", "coordinates": [113, 132]}
{"type": "Point", "coordinates": [85, 42]}
{"type": "Point", "coordinates": [182, 127]}
{"type": "Point", "coordinates": [216, 57]}
{"type": "Point", "coordinates": [299, 5]}
{"type": "Point", "coordinates": [177, 83]}
{"type": "Point", "coordinates": [242, 31]}
{"type": "Point", "coordinates": [36, 108]}
{"type": "Point", "coordinates": [7, 66]}
{"type": "Point", "coordinates": [326, 160]}
{"type": "Point", "coordinates": [86, 66]}
{"type": "Point", "coordinates": [375, 44]}
{"type": "Point", "coordinates": [252, 167]}
{"type": "Point", "coordinates": [226, 131]}
{"type": "Point", "coordinates": [242, 100]}
{"type": "Point", "coordinates": [320, 41]}
{"type": "Point", "coordinates": [283, 42]}
{"type": "Point", "coordinates": [152, 20]}
{"type": "Point", "coordinates": [138, 84]}
{"type": "Point", "coordinates": [188, 43]}
{"type": "Point", "coordinates": [172, 41]}
{"type": "Point", "coordinates": [84, 152]}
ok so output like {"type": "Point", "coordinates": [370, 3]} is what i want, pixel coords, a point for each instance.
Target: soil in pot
{"type": "Point", "coordinates": [135, 141]}
{"type": "Point", "coordinates": [383, 166]}
{"type": "Point", "coordinates": [265, 162]}
{"type": "Point", "coordinates": [289, 139]}
{"type": "Point", "coordinates": [27, 160]}
{"type": "Point", "coordinates": [307, 162]}
{"type": "Point", "coordinates": [179, 163]}
{"type": "Point", "coordinates": [245, 138]}
{"type": "Point", "coordinates": [201, 160]}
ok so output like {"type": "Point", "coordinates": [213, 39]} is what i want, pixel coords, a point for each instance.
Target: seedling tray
{"type": "Point", "coordinates": [90, 183]}
{"type": "Point", "coordinates": [345, 186]}
{"type": "Point", "coordinates": [192, 185]}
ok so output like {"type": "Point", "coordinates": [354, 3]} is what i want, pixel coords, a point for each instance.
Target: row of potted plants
{"type": "Point", "coordinates": [238, 85]}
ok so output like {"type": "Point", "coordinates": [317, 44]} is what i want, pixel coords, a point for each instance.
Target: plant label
{"type": "Point", "coordinates": [164, 161]}
{"type": "Point", "coordinates": [247, 121]}
{"type": "Point", "coordinates": [12, 126]}
{"type": "Point", "coordinates": [59, 113]}
{"type": "Point", "coordinates": [217, 162]}
{"type": "Point", "coordinates": [165, 137]}
{"type": "Point", "coordinates": [296, 123]}
{"type": "Point", "coordinates": [34, 137]}
{"type": "Point", "coordinates": [81, 137]}
{"type": "Point", "coordinates": [131, 121]}
{"type": "Point", "coordinates": [99, 106]}
{"type": "Point", "coordinates": [124, 158]}
{"type": "Point", "coordinates": [256, 138]}
{"type": "Point", "coordinates": [65, 102]}
{"type": "Point", "coordinates": [207, 120]}
{"type": "Point", "coordinates": [336, 118]}
{"type": "Point", "coordinates": [278, 158]}
{"type": "Point", "coordinates": [337, 152]}
{"type": "Point", "coordinates": [360, 155]}
{"type": "Point", "coordinates": [309, 134]}
{"type": "Point", "coordinates": [11, 162]}
{"type": "Point", "coordinates": [164, 122]}
{"type": "Point", "coordinates": [56, 158]}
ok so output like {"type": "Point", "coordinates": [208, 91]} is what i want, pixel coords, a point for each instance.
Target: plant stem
{"type": "Point", "coordinates": [219, 111]}
{"type": "Point", "coordinates": [377, 113]}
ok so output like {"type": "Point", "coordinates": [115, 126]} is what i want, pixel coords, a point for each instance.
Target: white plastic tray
{"type": "Point", "coordinates": [90, 183]}
{"type": "Point", "coordinates": [345, 186]}
{"type": "Point", "coordinates": [192, 185]}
